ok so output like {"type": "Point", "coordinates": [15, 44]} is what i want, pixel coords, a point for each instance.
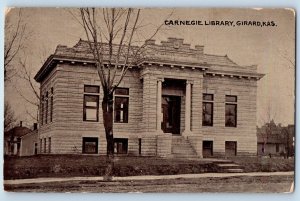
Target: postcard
{"type": "Point", "coordinates": [149, 100]}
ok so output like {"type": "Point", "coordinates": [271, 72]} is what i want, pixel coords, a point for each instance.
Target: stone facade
{"type": "Point", "coordinates": [170, 80]}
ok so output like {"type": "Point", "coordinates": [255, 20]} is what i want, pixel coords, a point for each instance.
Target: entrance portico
{"type": "Point", "coordinates": [173, 103]}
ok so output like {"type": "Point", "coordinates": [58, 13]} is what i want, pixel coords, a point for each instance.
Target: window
{"type": "Point", "coordinates": [230, 111]}
{"type": "Point", "coordinates": [207, 148]}
{"type": "Point", "coordinates": [49, 145]}
{"type": "Point", "coordinates": [35, 148]}
{"type": "Point", "coordinates": [45, 144]}
{"type": "Point", "coordinates": [41, 145]}
{"type": "Point", "coordinates": [120, 145]}
{"type": "Point", "coordinates": [91, 103]}
{"type": "Point", "coordinates": [277, 147]}
{"type": "Point", "coordinates": [91, 89]}
{"type": "Point", "coordinates": [51, 104]}
{"type": "Point", "coordinates": [207, 144]}
{"type": "Point", "coordinates": [230, 148]}
{"type": "Point", "coordinates": [90, 145]}
{"type": "Point", "coordinates": [46, 108]}
{"type": "Point", "coordinates": [140, 146]}
{"type": "Point", "coordinates": [207, 110]}
{"type": "Point", "coordinates": [42, 110]}
{"type": "Point", "coordinates": [121, 105]}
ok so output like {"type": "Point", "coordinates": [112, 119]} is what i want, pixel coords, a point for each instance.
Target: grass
{"type": "Point", "coordinates": [87, 165]}
{"type": "Point", "coordinates": [265, 164]}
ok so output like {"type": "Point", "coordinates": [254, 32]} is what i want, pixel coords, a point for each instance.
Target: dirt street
{"type": "Point", "coordinates": [227, 184]}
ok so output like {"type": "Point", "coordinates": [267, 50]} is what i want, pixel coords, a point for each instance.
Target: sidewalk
{"type": "Point", "coordinates": [146, 177]}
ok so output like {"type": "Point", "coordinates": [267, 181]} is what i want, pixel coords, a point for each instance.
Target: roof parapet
{"type": "Point", "coordinates": [60, 49]}
{"type": "Point", "coordinates": [199, 48]}
{"type": "Point", "coordinates": [150, 42]}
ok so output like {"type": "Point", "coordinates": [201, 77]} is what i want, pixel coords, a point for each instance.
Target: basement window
{"type": "Point", "coordinates": [277, 147]}
{"type": "Point", "coordinates": [45, 145]}
{"type": "Point", "coordinates": [49, 145]}
{"type": "Point", "coordinates": [90, 145]}
{"type": "Point", "coordinates": [120, 145]}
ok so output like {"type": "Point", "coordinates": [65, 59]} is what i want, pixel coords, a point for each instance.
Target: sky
{"type": "Point", "coordinates": [266, 47]}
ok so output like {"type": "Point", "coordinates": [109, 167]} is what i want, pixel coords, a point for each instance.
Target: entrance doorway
{"type": "Point", "coordinates": [171, 114]}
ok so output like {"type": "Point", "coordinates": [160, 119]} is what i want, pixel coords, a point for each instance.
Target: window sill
{"type": "Point", "coordinates": [121, 123]}
{"type": "Point", "coordinates": [91, 121]}
{"type": "Point", "coordinates": [90, 153]}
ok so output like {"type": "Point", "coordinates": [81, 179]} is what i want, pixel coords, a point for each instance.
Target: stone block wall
{"type": "Point", "coordinates": [149, 146]}
{"type": "Point", "coordinates": [245, 131]}
{"type": "Point", "coordinates": [196, 143]}
{"type": "Point", "coordinates": [68, 128]}
{"type": "Point", "coordinates": [164, 145]}
{"type": "Point", "coordinates": [133, 146]}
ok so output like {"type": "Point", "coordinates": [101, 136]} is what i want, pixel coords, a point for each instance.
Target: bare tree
{"type": "Point", "coordinates": [25, 75]}
{"type": "Point", "coordinates": [287, 137]}
{"type": "Point", "coordinates": [110, 33]}
{"type": "Point", "coordinates": [9, 117]}
{"type": "Point", "coordinates": [15, 34]}
{"type": "Point", "coordinates": [15, 66]}
{"type": "Point", "coordinates": [267, 128]}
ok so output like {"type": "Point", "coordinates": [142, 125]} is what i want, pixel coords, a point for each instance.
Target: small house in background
{"type": "Point", "coordinates": [29, 142]}
{"type": "Point", "coordinates": [275, 140]}
{"type": "Point", "coordinates": [12, 140]}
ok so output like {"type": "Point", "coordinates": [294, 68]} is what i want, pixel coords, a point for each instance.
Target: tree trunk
{"type": "Point", "coordinates": [107, 111]}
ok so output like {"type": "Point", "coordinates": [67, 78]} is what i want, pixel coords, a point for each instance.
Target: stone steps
{"type": "Point", "coordinates": [228, 167]}
{"type": "Point", "coordinates": [234, 170]}
{"type": "Point", "coordinates": [182, 149]}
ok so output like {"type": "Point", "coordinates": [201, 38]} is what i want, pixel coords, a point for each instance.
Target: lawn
{"type": "Point", "coordinates": [87, 165]}
{"type": "Point", "coordinates": [265, 164]}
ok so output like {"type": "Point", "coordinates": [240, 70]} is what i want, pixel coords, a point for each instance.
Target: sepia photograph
{"type": "Point", "coordinates": [160, 100]}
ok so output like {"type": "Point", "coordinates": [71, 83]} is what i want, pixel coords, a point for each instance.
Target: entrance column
{"type": "Point", "coordinates": [187, 117]}
{"type": "Point", "coordinates": [158, 107]}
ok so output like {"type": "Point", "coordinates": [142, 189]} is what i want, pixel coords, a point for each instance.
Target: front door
{"type": "Point", "coordinates": [171, 114]}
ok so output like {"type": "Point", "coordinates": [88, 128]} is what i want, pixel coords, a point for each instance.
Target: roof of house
{"type": "Point", "coordinates": [274, 133]}
{"type": "Point", "coordinates": [17, 131]}
{"type": "Point", "coordinates": [172, 52]}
